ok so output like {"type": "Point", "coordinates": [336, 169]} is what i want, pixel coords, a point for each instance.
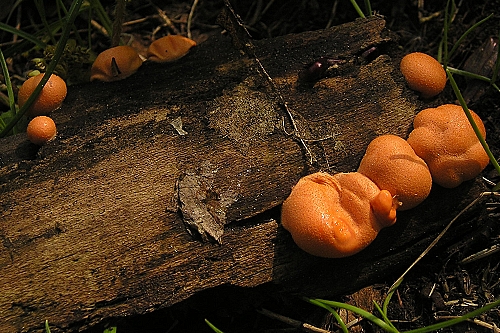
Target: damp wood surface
{"type": "Point", "coordinates": [170, 182]}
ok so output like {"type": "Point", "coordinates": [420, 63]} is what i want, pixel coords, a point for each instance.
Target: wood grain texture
{"type": "Point", "coordinates": [92, 224]}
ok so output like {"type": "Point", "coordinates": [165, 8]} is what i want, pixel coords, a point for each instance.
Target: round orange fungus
{"type": "Point", "coordinates": [443, 137]}
{"type": "Point", "coordinates": [423, 73]}
{"type": "Point", "coordinates": [169, 48]}
{"type": "Point", "coordinates": [332, 216]}
{"type": "Point", "coordinates": [50, 98]}
{"type": "Point", "coordinates": [41, 130]}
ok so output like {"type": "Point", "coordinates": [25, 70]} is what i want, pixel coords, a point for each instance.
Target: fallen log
{"type": "Point", "coordinates": [169, 182]}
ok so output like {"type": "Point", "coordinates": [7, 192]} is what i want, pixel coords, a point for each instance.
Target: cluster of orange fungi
{"type": "Point", "coordinates": [113, 64]}
{"type": "Point", "coordinates": [42, 128]}
{"type": "Point", "coordinates": [338, 215]}
{"type": "Point", "coordinates": [120, 62]}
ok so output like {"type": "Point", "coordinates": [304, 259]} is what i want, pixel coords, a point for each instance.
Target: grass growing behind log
{"type": "Point", "coordinates": [13, 121]}
{"type": "Point", "coordinates": [14, 115]}
{"type": "Point", "coordinates": [446, 56]}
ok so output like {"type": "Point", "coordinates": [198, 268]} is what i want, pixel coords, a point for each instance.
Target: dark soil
{"type": "Point", "coordinates": [441, 285]}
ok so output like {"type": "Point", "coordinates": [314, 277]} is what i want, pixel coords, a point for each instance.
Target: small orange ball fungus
{"type": "Point", "coordinates": [169, 48]}
{"type": "Point", "coordinates": [333, 216]}
{"type": "Point", "coordinates": [443, 137]}
{"type": "Point", "coordinates": [423, 73]}
{"type": "Point", "coordinates": [50, 98]}
{"type": "Point", "coordinates": [41, 130]}
{"type": "Point", "coordinates": [391, 163]}
{"type": "Point", "coordinates": [116, 63]}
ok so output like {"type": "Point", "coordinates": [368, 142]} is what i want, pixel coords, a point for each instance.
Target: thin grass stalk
{"type": "Point", "coordinates": [389, 327]}
{"type": "Point", "coordinates": [215, 329]}
{"type": "Point", "coordinates": [74, 10]}
{"type": "Point", "coordinates": [440, 52]}
{"type": "Point", "coordinates": [474, 125]}
{"type": "Point", "coordinates": [8, 83]}
{"type": "Point", "coordinates": [387, 300]}
{"type": "Point", "coordinates": [363, 313]}
{"type": "Point", "coordinates": [41, 10]}
{"type": "Point", "coordinates": [444, 41]}
{"type": "Point", "coordinates": [60, 5]}
{"type": "Point", "coordinates": [455, 321]}
{"type": "Point", "coordinates": [103, 16]}
{"type": "Point", "coordinates": [341, 323]}
{"type": "Point", "coordinates": [12, 10]}
{"type": "Point", "coordinates": [473, 76]}
{"type": "Point", "coordinates": [496, 68]}
{"type": "Point", "coordinates": [22, 34]}
{"type": "Point", "coordinates": [358, 10]}
{"type": "Point", "coordinates": [2, 123]}
{"type": "Point", "coordinates": [10, 98]}
{"type": "Point", "coordinates": [368, 8]}
{"type": "Point", "coordinates": [89, 28]}
{"type": "Point", "coordinates": [335, 314]}
{"type": "Point", "coordinates": [391, 292]}
{"type": "Point", "coordinates": [464, 35]}
{"type": "Point", "coordinates": [384, 315]}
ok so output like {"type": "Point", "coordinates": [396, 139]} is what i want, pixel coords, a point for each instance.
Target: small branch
{"type": "Point", "coordinates": [190, 18]}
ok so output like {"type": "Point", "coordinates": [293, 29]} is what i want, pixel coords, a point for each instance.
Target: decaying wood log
{"type": "Point", "coordinates": [95, 224]}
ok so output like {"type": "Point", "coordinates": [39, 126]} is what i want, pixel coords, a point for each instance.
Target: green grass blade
{"type": "Point", "coordinates": [41, 10]}
{"type": "Point", "coordinates": [8, 83]}
{"type": "Point", "coordinates": [444, 41]}
{"type": "Point", "coordinates": [215, 329]}
{"type": "Point", "coordinates": [47, 328]}
{"type": "Point", "coordinates": [11, 101]}
{"type": "Point", "coordinates": [358, 10]}
{"type": "Point", "coordinates": [363, 313]}
{"type": "Point", "coordinates": [383, 313]}
{"type": "Point", "coordinates": [473, 123]}
{"type": "Point", "coordinates": [332, 311]}
{"type": "Point", "coordinates": [368, 7]}
{"type": "Point", "coordinates": [62, 7]}
{"type": "Point", "coordinates": [103, 16]}
{"type": "Point", "coordinates": [496, 68]}
{"type": "Point", "coordinates": [464, 35]}
{"type": "Point", "coordinates": [455, 321]}
{"type": "Point", "coordinates": [473, 76]}
{"type": "Point", "coordinates": [468, 74]}
{"type": "Point", "coordinates": [392, 290]}
{"type": "Point", "coordinates": [341, 323]}
{"type": "Point", "coordinates": [25, 35]}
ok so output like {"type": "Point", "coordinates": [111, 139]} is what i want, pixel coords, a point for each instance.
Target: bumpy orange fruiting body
{"type": "Point", "coordinates": [116, 63]}
{"type": "Point", "coordinates": [391, 163]}
{"type": "Point", "coordinates": [443, 137]}
{"type": "Point", "coordinates": [384, 206]}
{"type": "Point", "coordinates": [41, 130]}
{"type": "Point", "coordinates": [332, 216]}
{"type": "Point", "coordinates": [50, 98]}
{"type": "Point", "coordinates": [423, 73]}
{"type": "Point", "coordinates": [169, 48]}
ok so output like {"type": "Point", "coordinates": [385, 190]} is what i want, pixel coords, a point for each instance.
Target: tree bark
{"type": "Point", "coordinates": [169, 182]}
